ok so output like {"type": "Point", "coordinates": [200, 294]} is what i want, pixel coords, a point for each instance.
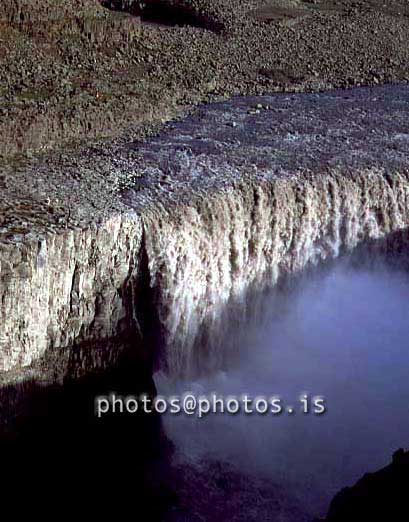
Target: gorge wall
{"type": "Point", "coordinates": [224, 202]}
{"type": "Point", "coordinates": [65, 289]}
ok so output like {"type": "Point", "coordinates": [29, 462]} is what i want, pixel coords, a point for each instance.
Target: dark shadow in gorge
{"type": "Point", "coordinates": [376, 496]}
{"type": "Point", "coordinates": [60, 457]}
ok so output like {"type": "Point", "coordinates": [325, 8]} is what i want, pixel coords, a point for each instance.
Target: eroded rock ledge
{"type": "Point", "coordinates": [186, 224]}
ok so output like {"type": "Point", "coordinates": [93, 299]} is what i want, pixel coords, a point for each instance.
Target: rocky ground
{"type": "Point", "coordinates": [83, 70]}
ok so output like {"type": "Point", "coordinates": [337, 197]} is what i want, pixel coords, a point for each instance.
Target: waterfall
{"type": "Point", "coordinates": [208, 262]}
{"type": "Point", "coordinates": [215, 214]}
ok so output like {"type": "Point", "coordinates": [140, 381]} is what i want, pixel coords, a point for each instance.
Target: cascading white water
{"type": "Point", "coordinates": [209, 261]}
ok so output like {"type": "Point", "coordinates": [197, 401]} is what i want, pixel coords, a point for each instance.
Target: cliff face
{"type": "Point", "coordinates": [203, 260]}
{"type": "Point", "coordinates": [66, 289]}
{"type": "Point", "coordinates": [224, 203]}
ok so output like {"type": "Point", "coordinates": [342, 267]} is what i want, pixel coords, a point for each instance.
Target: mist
{"type": "Point", "coordinates": [341, 332]}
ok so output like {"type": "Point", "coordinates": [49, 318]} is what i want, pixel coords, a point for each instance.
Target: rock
{"type": "Point", "coordinates": [376, 496]}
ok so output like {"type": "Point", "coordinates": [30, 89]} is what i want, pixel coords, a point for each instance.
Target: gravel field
{"type": "Point", "coordinates": [80, 71]}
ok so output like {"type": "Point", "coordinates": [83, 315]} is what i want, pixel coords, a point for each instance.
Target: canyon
{"type": "Point", "coordinates": [154, 255]}
{"type": "Point", "coordinates": [177, 213]}
{"type": "Point", "coordinates": [204, 216]}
